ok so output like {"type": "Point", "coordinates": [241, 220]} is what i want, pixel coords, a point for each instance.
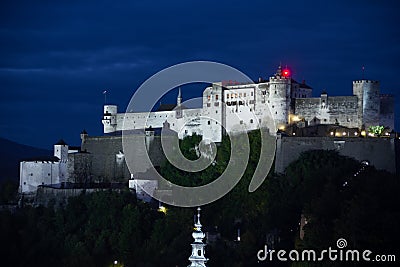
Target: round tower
{"type": "Point", "coordinates": [279, 97]}
{"type": "Point", "coordinates": [368, 93]}
{"type": "Point", "coordinates": [110, 118]}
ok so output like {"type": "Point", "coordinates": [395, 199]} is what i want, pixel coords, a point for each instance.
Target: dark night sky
{"type": "Point", "coordinates": [57, 58]}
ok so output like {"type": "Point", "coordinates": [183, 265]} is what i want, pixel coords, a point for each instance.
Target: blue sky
{"type": "Point", "coordinates": [57, 57]}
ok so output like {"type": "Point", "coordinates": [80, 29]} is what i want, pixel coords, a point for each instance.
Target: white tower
{"type": "Point", "coordinates": [61, 150]}
{"type": "Point", "coordinates": [110, 118]}
{"type": "Point", "coordinates": [279, 96]}
{"type": "Point", "coordinates": [197, 258]}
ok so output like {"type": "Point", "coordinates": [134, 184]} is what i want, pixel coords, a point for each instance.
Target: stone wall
{"type": "Point", "coordinates": [329, 109]}
{"type": "Point", "coordinates": [107, 156]}
{"type": "Point", "coordinates": [380, 152]}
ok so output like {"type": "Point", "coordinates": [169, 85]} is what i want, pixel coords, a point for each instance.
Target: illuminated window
{"type": "Point", "coordinates": [208, 97]}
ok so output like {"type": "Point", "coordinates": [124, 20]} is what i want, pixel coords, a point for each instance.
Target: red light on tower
{"type": "Point", "coordinates": [286, 72]}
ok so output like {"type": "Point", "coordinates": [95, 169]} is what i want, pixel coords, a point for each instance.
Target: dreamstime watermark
{"type": "Point", "coordinates": [330, 254]}
{"type": "Point", "coordinates": [209, 121]}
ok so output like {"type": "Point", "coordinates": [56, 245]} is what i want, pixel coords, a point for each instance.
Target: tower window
{"type": "Point", "coordinates": [251, 121]}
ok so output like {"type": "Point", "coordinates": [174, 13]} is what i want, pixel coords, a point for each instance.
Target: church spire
{"type": "Point", "coordinates": [179, 99]}
{"type": "Point", "coordinates": [197, 258]}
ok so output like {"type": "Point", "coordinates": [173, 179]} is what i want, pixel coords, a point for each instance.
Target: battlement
{"type": "Point", "coordinates": [365, 81]}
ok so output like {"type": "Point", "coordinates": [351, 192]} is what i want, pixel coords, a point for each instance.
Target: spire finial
{"type": "Point", "coordinates": [179, 98]}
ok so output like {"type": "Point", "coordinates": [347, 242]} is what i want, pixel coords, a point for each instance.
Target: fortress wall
{"type": "Point", "coordinates": [79, 167]}
{"type": "Point", "coordinates": [342, 109]}
{"type": "Point", "coordinates": [106, 166]}
{"type": "Point", "coordinates": [380, 152]}
{"type": "Point", "coordinates": [60, 195]}
{"type": "Point", "coordinates": [387, 111]}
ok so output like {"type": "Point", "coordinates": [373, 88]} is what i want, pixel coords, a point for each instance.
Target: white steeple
{"type": "Point", "coordinates": [197, 258]}
{"type": "Point", "coordinates": [179, 98]}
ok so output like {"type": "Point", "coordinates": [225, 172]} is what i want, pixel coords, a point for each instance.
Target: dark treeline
{"type": "Point", "coordinates": [340, 197]}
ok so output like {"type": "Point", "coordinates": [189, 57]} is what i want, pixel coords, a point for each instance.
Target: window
{"type": "Point", "coordinates": [240, 94]}
{"type": "Point", "coordinates": [241, 122]}
{"type": "Point", "coordinates": [208, 97]}
{"type": "Point", "coordinates": [244, 94]}
{"type": "Point", "coordinates": [208, 105]}
{"type": "Point", "coordinates": [216, 104]}
{"type": "Point", "coordinates": [216, 97]}
{"type": "Point", "coordinates": [209, 122]}
{"type": "Point", "coordinates": [227, 96]}
{"type": "Point", "coordinates": [251, 93]}
{"type": "Point", "coordinates": [251, 120]}
{"type": "Point", "coordinates": [186, 131]}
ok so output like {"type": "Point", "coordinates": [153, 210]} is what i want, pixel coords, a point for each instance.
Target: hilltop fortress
{"type": "Point", "coordinates": [228, 106]}
{"type": "Point", "coordinates": [299, 121]}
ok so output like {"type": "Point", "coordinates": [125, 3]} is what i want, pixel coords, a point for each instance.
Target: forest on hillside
{"type": "Point", "coordinates": [340, 197]}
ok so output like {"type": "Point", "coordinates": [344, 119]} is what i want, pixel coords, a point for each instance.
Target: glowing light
{"type": "Point", "coordinates": [363, 133]}
{"type": "Point", "coordinates": [282, 128]}
{"type": "Point", "coordinates": [344, 133]}
{"type": "Point", "coordinates": [337, 134]}
{"type": "Point", "coordinates": [295, 118]}
{"type": "Point", "coordinates": [332, 133]}
{"type": "Point", "coordinates": [286, 73]}
{"type": "Point", "coordinates": [162, 209]}
{"type": "Point", "coordinates": [294, 133]}
{"type": "Point", "coordinates": [355, 133]}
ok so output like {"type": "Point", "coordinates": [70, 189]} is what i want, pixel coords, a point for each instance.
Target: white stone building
{"type": "Point", "coordinates": [274, 104]}
{"type": "Point", "coordinates": [44, 170]}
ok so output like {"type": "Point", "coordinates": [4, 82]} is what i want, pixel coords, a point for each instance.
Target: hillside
{"type": "Point", "coordinates": [12, 153]}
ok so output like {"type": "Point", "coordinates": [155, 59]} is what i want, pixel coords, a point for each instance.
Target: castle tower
{"type": "Point", "coordinates": [110, 118]}
{"type": "Point", "coordinates": [84, 134]}
{"type": "Point", "coordinates": [279, 96]}
{"type": "Point", "coordinates": [198, 258]}
{"type": "Point", "coordinates": [61, 150]}
{"type": "Point", "coordinates": [213, 113]}
{"type": "Point", "coordinates": [178, 109]}
{"type": "Point", "coordinates": [368, 93]}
